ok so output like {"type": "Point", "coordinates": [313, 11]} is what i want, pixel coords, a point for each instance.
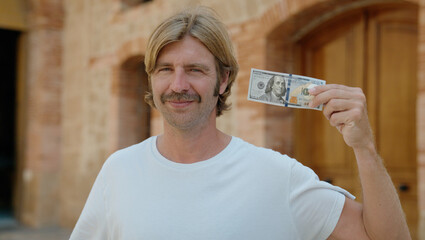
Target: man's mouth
{"type": "Point", "coordinates": [180, 98]}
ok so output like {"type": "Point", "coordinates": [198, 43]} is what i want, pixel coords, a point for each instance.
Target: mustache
{"type": "Point", "coordinates": [174, 96]}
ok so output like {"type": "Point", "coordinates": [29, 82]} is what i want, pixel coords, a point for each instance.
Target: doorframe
{"type": "Point", "coordinates": [14, 19]}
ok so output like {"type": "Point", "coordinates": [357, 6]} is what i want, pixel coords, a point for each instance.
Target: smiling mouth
{"type": "Point", "coordinates": [180, 98]}
{"type": "Point", "coordinates": [179, 104]}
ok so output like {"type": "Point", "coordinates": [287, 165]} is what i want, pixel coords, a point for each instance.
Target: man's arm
{"type": "Point", "coordinates": [381, 215]}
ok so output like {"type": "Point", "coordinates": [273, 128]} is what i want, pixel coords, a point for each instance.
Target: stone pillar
{"type": "Point", "coordinates": [38, 169]}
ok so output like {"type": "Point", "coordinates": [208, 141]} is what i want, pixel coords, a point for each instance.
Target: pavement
{"type": "Point", "coordinates": [23, 233]}
{"type": "Point", "coordinates": [11, 230]}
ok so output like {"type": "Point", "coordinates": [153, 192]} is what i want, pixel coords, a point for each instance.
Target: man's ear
{"type": "Point", "coordinates": [224, 82]}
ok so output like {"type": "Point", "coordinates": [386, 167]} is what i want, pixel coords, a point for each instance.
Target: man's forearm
{"type": "Point", "coordinates": [382, 213]}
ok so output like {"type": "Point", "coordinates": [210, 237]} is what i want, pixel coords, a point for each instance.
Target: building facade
{"type": "Point", "coordinates": [80, 84]}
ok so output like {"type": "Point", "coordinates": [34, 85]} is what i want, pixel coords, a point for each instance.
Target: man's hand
{"type": "Point", "coordinates": [345, 108]}
{"type": "Point", "coordinates": [381, 215]}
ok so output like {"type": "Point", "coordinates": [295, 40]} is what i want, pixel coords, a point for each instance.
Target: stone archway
{"type": "Point", "coordinates": [132, 116]}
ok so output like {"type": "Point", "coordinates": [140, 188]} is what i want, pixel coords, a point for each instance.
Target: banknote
{"type": "Point", "coordinates": [282, 89]}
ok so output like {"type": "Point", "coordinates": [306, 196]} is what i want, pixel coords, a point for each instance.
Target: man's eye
{"type": "Point", "coordinates": [195, 70]}
{"type": "Point", "coordinates": [164, 69]}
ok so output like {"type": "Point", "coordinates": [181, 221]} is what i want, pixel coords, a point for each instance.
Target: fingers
{"type": "Point", "coordinates": [345, 108]}
{"type": "Point", "coordinates": [338, 105]}
{"type": "Point", "coordinates": [354, 127]}
{"type": "Point", "coordinates": [337, 99]}
{"type": "Point", "coordinates": [324, 93]}
{"type": "Point", "coordinates": [345, 118]}
{"type": "Point", "coordinates": [321, 88]}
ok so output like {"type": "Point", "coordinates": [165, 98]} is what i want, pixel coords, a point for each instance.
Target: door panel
{"type": "Point", "coordinates": [393, 48]}
{"type": "Point", "coordinates": [395, 44]}
{"type": "Point", "coordinates": [335, 56]}
{"type": "Point", "coordinates": [376, 50]}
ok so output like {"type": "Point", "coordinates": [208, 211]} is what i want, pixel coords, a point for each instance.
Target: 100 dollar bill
{"type": "Point", "coordinates": [282, 89]}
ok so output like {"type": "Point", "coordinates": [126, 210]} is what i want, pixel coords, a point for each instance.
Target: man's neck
{"type": "Point", "coordinates": [193, 145]}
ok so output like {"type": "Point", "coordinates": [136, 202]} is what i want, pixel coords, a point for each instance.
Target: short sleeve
{"type": "Point", "coordinates": [315, 205]}
{"type": "Point", "coordinates": [92, 222]}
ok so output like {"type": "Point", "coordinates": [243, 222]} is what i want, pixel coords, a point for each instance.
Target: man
{"type": "Point", "coordinates": [275, 90]}
{"type": "Point", "coordinates": [196, 182]}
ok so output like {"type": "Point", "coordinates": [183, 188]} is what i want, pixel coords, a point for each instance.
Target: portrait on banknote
{"type": "Point", "coordinates": [275, 90]}
{"type": "Point", "coordinates": [282, 89]}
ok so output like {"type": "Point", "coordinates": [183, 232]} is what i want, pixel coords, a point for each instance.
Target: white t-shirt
{"type": "Point", "coordinates": [244, 192]}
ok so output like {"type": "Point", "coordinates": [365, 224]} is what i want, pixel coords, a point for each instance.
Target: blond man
{"type": "Point", "coordinates": [196, 182]}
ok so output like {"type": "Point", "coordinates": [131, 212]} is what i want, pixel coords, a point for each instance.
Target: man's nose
{"type": "Point", "coordinates": [179, 82]}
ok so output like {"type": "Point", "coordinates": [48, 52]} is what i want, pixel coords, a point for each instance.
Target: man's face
{"type": "Point", "coordinates": [278, 86]}
{"type": "Point", "coordinates": [183, 84]}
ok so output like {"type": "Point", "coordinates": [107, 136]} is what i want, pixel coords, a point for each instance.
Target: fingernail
{"type": "Point", "coordinates": [312, 90]}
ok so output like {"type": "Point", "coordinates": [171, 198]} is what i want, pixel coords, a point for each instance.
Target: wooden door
{"type": "Point", "coordinates": [392, 89]}
{"type": "Point", "coordinates": [376, 50]}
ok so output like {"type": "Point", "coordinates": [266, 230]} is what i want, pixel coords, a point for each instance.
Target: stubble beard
{"type": "Point", "coordinates": [186, 119]}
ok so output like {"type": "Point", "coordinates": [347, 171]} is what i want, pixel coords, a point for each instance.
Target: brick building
{"type": "Point", "coordinates": [76, 86]}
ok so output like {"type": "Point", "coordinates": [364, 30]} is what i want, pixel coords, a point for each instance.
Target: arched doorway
{"type": "Point", "coordinates": [133, 114]}
{"type": "Point", "coordinates": [375, 48]}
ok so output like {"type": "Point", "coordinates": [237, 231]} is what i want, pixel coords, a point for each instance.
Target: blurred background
{"type": "Point", "coordinates": [73, 80]}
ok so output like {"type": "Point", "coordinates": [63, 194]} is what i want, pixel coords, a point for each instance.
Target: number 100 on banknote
{"type": "Point", "coordinates": [282, 89]}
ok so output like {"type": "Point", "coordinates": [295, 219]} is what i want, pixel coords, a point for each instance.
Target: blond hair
{"type": "Point", "coordinates": [201, 23]}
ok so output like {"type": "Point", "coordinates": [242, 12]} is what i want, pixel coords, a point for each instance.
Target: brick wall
{"type": "Point", "coordinates": [38, 166]}
{"type": "Point", "coordinates": [100, 36]}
